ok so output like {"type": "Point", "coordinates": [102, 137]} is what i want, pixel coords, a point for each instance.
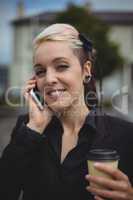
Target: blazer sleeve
{"type": "Point", "coordinates": [16, 157]}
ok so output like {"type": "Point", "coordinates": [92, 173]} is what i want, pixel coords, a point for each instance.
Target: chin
{"type": "Point", "coordinates": [59, 106]}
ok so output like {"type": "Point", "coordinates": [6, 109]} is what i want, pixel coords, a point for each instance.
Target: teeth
{"type": "Point", "coordinates": [56, 92]}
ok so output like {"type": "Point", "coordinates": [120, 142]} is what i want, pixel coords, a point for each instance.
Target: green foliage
{"type": "Point", "coordinates": [108, 58]}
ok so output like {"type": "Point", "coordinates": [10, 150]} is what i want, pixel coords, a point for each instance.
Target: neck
{"type": "Point", "coordinates": [73, 118]}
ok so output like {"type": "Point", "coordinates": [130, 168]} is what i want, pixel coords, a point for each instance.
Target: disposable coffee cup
{"type": "Point", "coordinates": [106, 156]}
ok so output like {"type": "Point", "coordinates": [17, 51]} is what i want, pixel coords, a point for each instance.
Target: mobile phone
{"type": "Point", "coordinates": [37, 98]}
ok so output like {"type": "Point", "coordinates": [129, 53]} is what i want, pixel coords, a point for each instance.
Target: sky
{"type": "Point", "coordinates": [8, 12]}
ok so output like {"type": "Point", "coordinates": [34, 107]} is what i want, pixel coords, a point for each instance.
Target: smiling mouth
{"type": "Point", "coordinates": [56, 93]}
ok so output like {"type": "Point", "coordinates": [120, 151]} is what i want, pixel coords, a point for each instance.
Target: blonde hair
{"type": "Point", "coordinates": [59, 32]}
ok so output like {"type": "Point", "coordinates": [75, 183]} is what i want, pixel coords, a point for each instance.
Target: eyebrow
{"type": "Point", "coordinates": [37, 65]}
{"type": "Point", "coordinates": [54, 60]}
{"type": "Point", "coordinates": [59, 58]}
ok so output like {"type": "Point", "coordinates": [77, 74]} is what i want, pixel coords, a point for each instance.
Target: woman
{"type": "Point", "coordinates": [47, 155]}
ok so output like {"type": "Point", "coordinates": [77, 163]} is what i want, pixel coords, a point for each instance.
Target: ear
{"type": "Point", "coordinates": [87, 69]}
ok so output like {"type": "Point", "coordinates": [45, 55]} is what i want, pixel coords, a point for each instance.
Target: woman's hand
{"type": "Point", "coordinates": [119, 188]}
{"type": "Point", "coordinates": [38, 119]}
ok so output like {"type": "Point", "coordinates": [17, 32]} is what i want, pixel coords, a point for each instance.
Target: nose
{"type": "Point", "coordinates": [50, 77]}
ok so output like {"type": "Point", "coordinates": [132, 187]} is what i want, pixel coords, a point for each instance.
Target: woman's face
{"type": "Point", "coordinates": [59, 74]}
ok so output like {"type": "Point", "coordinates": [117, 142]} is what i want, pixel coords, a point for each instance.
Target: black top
{"type": "Point", "coordinates": [31, 162]}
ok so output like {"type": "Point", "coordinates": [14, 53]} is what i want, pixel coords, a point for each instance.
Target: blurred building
{"type": "Point", "coordinates": [121, 33]}
{"type": "Point", "coordinates": [27, 27]}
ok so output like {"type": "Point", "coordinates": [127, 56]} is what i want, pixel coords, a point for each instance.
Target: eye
{"type": "Point", "coordinates": [62, 67]}
{"type": "Point", "coordinates": [40, 72]}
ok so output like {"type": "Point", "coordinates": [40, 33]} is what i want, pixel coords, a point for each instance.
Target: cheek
{"type": "Point", "coordinates": [76, 83]}
{"type": "Point", "coordinates": [76, 78]}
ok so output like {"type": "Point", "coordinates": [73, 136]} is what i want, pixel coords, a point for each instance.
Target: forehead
{"type": "Point", "coordinates": [50, 50]}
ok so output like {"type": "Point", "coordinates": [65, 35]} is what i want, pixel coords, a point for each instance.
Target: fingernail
{"type": "Point", "coordinates": [88, 187]}
{"type": "Point", "coordinates": [87, 176]}
{"type": "Point", "coordinates": [96, 164]}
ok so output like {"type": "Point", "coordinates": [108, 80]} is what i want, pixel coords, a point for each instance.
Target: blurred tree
{"type": "Point", "coordinates": [108, 57]}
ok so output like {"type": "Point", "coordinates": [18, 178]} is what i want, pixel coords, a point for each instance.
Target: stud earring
{"type": "Point", "coordinates": [87, 79]}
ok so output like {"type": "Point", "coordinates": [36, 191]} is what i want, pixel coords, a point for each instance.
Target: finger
{"type": "Point", "coordinates": [115, 195]}
{"type": "Point", "coordinates": [28, 86]}
{"type": "Point", "coordinates": [31, 81]}
{"type": "Point", "coordinates": [115, 173]}
{"type": "Point", "coordinates": [25, 92]}
{"type": "Point", "coordinates": [98, 198]}
{"type": "Point", "coordinates": [27, 89]}
{"type": "Point", "coordinates": [108, 183]}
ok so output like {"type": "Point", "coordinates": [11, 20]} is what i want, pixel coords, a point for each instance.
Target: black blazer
{"type": "Point", "coordinates": [31, 162]}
